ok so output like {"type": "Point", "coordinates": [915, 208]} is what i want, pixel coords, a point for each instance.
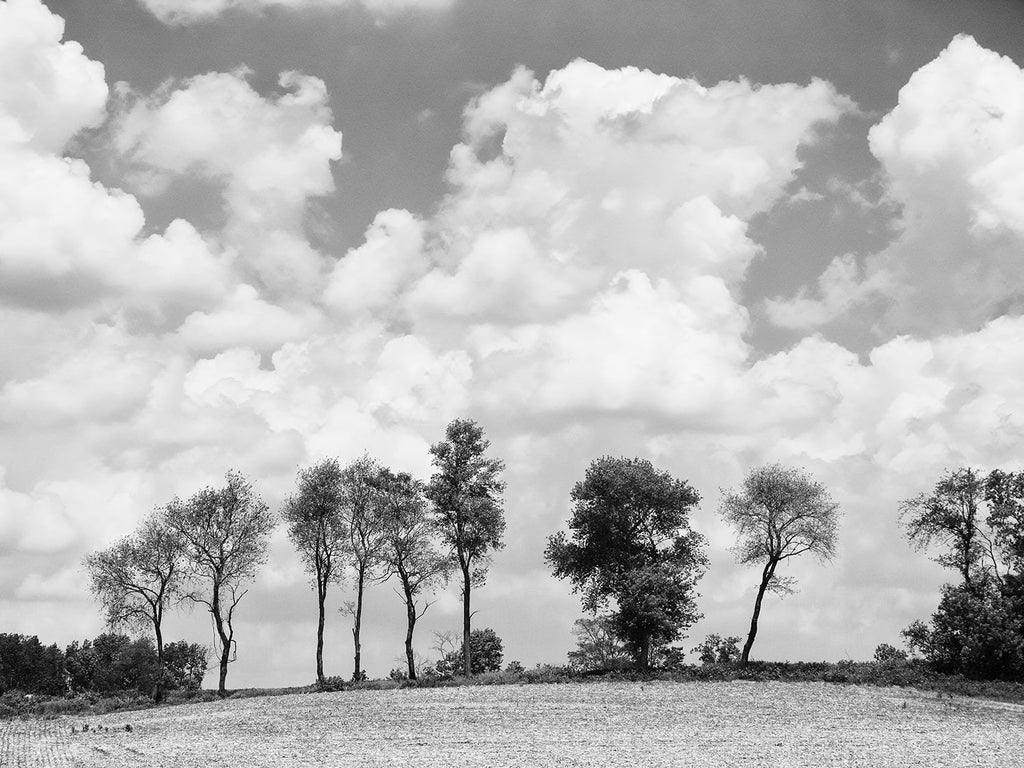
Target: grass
{"type": "Point", "coordinates": [904, 674]}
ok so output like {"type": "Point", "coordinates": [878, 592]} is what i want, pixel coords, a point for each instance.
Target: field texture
{"type": "Point", "coordinates": [622, 724]}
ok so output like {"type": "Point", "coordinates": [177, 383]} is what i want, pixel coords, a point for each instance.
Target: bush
{"type": "Point", "coordinates": [718, 650]}
{"type": "Point", "coordinates": [331, 684]}
{"type": "Point", "coordinates": [889, 654]}
{"type": "Point", "coordinates": [515, 668]}
{"type": "Point", "coordinates": [485, 649]}
{"type": "Point", "coordinates": [398, 673]}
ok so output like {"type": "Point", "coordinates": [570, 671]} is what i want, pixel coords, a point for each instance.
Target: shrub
{"type": "Point", "coordinates": [718, 650]}
{"type": "Point", "coordinates": [889, 654]}
{"type": "Point", "coordinates": [331, 684]}
{"type": "Point", "coordinates": [514, 668]}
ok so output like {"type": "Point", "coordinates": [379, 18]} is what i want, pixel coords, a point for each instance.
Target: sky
{"type": "Point", "coordinates": [252, 234]}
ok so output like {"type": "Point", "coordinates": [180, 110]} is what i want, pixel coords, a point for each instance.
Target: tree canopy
{"type": "Point", "coordinates": [631, 542]}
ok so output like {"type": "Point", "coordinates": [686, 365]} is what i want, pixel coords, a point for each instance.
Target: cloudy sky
{"type": "Point", "coordinates": [254, 233]}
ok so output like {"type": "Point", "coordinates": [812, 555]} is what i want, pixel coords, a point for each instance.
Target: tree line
{"type": "Point", "coordinates": [629, 552]}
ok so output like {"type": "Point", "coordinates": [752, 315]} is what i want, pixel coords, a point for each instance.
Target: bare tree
{"type": "Point", "coordinates": [466, 494]}
{"type": "Point", "coordinates": [137, 578]}
{"type": "Point", "coordinates": [779, 513]}
{"type": "Point", "coordinates": [226, 532]}
{"type": "Point", "coordinates": [367, 540]}
{"type": "Point", "coordinates": [411, 555]}
{"type": "Point", "coordinates": [316, 526]}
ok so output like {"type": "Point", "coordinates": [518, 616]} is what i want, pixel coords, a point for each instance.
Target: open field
{"type": "Point", "coordinates": [650, 724]}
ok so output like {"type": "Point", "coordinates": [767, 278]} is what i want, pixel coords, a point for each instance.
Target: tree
{"type": "Point", "coordinates": [778, 514]}
{"type": "Point", "coordinates": [363, 517]}
{"type": "Point", "coordinates": [950, 517]}
{"type": "Point", "coordinates": [317, 528]}
{"type": "Point", "coordinates": [1004, 491]}
{"type": "Point", "coordinates": [137, 578]}
{"type": "Point", "coordinates": [226, 533]}
{"type": "Point", "coordinates": [410, 548]}
{"type": "Point", "coordinates": [597, 645]}
{"type": "Point", "coordinates": [486, 652]}
{"type": "Point", "coordinates": [631, 542]}
{"type": "Point", "coordinates": [466, 494]}
{"type": "Point", "coordinates": [718, 650]}
{"type": "Point", "coordinates": [185, 664]}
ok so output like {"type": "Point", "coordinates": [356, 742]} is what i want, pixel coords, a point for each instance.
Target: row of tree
{"type": "Point", "coordinates": [362, 518]}
{"type": "Point", "coordinates": [110, 663]}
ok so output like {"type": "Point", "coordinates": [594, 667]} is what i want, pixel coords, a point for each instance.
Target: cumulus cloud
{"type": "Point", "coordinates": [579, 290]}
{"type": "Point", "coordinates": [192, 11]}
{"type": "Point", "coordinates": [951, 152]}
{"type": "Point", "coordinates": [270, 155]}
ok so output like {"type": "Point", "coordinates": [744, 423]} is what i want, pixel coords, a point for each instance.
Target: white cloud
{"type": "Point", "coordinates": [49, 90]}
{"type": "Point", "coordinates": [952, 152]}
{"type": "Point", "coordinates": [270, 154]}
{"type": "Point", "coordinates": [192, 11]}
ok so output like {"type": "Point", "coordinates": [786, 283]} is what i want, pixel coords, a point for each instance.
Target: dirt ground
{"type": "Point", "coordinates": [597, 724]}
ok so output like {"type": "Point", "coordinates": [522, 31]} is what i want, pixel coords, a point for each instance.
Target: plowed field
{"type": "Point", "coordinates": [623, 724]}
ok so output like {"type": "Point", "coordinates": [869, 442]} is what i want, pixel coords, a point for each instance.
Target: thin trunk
{"type": "Point", "coordinates": [766, 577]}
{"type": "Point", "coordinates": [410, 612]}
{"type": "Point", "coordinates": [225, 643]}
{"type": "Point", "coordinates": [158, 692]}
{"type": "Point", "coordinates": [645, 653]}
{"type": "Point", "coordinates": [321, 598]}
{"type": "Point", "coordinates": [358, 673]}
{"type": "Point", "coordinates": [466, 660]}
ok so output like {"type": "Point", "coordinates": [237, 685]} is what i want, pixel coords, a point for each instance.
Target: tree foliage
{"type": "Point", "coordinates": [226, 533]}
{"type": "Point", "coordinates": [778, 513]}
{"type": "Point", "coordinates": [951, 518]}
{"type": "Point", "coordinates": [410, 552]}
{"type": "Point", "coordinates": [136, 579]}
{"type": "Point", "coordinates": [367, 540]}
{"type": "Point", "coordinates": [486, 651]}
{"type": "Point", "coordinates": [718, 650]}
{"type": "Point", "coordinates": [597, 645]}
{"type": "Point", "coordinates": [631, 543]}
{"type": "Point", "coordinates": [318, 530]}
{"type": "Point", "coordinates": [465, 491]}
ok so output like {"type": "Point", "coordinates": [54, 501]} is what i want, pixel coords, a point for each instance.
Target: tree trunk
{"type": "Point", "coordinates": [467, 663]}
{"type": "Point", "coordinates": [410, 611]}
{"type": "Point", "coordinates": [358, 673]}
{"type": "Point", "coordinates": [225, 643]}
{"type": "Point", "coordinates": [766, 577]}
{"type": "Point", "coordinates": [321, 598]}
{"type": "Point", "coordinates": [645, 653]}
{"type": "Point", "coordinates": [158, 691]}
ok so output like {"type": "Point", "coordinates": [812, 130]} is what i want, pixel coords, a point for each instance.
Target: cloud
{"type": "Point", "coordinates": [952, 152]}
{"type": "Point", "coordinates": [269, 155]}
{"type": "Point", "coordinates": [192, 11]}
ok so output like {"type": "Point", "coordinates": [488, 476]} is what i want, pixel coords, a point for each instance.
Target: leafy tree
{"type": "Point", "coordinates": [29, 666]}
{"type": "Point", "coordinates": [889, 654]}
{"type": "Point", "coordinates": [185, 665]}
{"type": "Point", "coordinates": [597, 645]}
{"type": "Point", "coordinates": [1004, 491]}
{"type": "Point", "coordinates": [226, 533]}
{"type": "Point", "coordinates": [410, 548]}
{"type": "Point", "coordinates": [486, 652]}
{"type": "Point", "coordinates": [317, 528]}
{"type": "Point", "coordinates": [778, 513]}
{"type": "Point", "coordinates": [631, 542]}
{"type": "Point", "coordinates": [975, 631]}
{"type": "Point", "coordinates": [466, 493]}
{"type": "Point", "coordinates": [951, 517]}
{"type": "Point", "coordinates": [718, 650]}
{"type": "Point", "coordinates": [367, 541]}
{"type": "Point", "coordinates": [138, 577]}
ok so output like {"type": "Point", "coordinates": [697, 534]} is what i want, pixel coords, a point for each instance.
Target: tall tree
{"type": "Point", "coordinates": [631, 542]}
{"type": "Point", "coordinates": [951, 517]}
{"type": "Point", "coordinates": [779, 513]}
{"type": "Point", "coordinates": [138, 577]}
{"type": "Point", "coordinates": [367, 540]}
{"type": "Point", "coordinates": [410, 548]}
{"type": "Point", "coordinates": [226, 532]}
{"type": "Point", "coordinates": [317, 528]}
{"type": "Point", "coordinates": [466, 493]}
{"type": "Point", "coordinates": [1004, 491]}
